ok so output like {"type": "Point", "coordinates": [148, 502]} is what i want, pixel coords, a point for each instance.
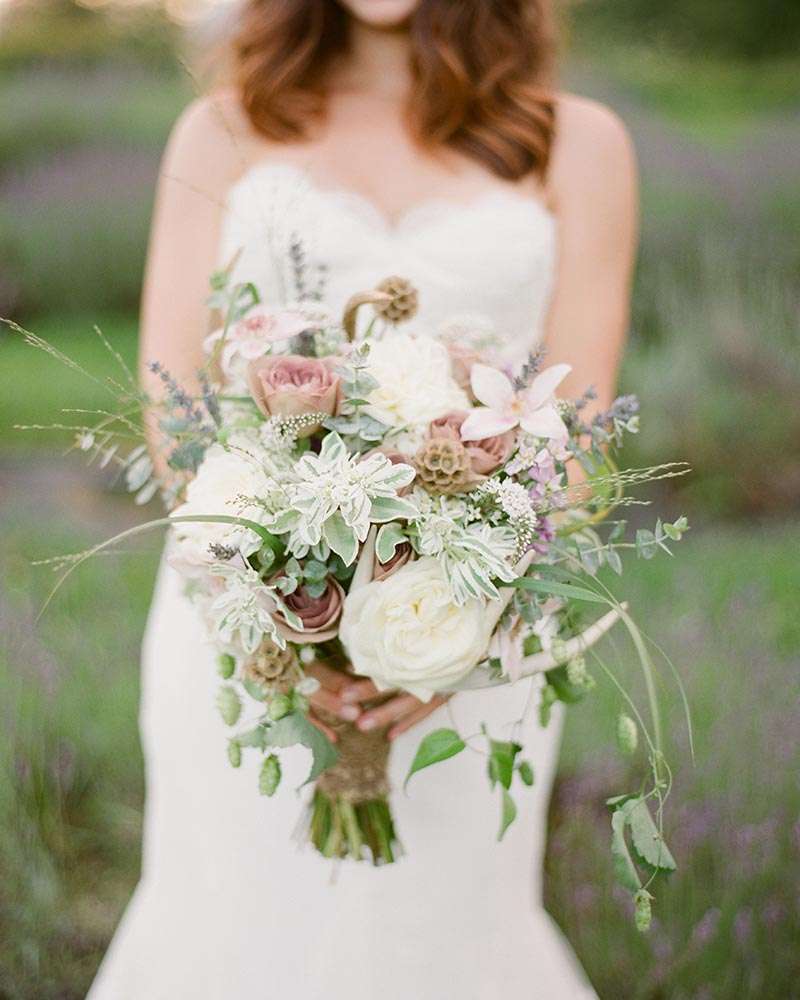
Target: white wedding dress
{"type": "Point", "coordinates": [230, 905]}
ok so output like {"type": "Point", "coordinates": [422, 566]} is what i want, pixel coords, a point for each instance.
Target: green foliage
{"type": "Point", "coordinates": [738, 28]}
{"type": "Point", "coordinates": [295, 728]}
{"type": "Point", "coordinates": [437, 746]}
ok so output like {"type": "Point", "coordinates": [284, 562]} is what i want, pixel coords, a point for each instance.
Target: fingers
{"type": "Point", "coordinates": [415, 716]}
{"type": "Point", "coordinates": [361, 690]}
{"type": "Point", "coordinates": [322, 727]}
{"type": "Point", "coordinates": [389, 712]}
{"type": "Point", "coordinates": [330, 702]}
{"type": "Point", "coordinates": [330, 678]}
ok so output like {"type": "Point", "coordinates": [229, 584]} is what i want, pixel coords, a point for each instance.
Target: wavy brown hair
{"type": "Point", "coordinates": [481, 70]}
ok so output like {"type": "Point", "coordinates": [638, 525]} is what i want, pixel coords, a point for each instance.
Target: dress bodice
{"type": "Point", "coordinates": [492, 257]}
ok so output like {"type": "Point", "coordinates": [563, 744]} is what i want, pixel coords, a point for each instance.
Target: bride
{"type": "Point", "coordinates": [422, 138]}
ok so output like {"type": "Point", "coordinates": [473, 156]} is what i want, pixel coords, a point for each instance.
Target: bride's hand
{"type": "Point", "coordinates": [328, 697]}
{"type": "Point", "coordinates": [400, 712]}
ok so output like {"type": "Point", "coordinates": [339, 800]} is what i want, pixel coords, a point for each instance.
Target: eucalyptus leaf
{"type": "Point", "coordinates": [437, 746]}
{"type": "Point", "coordinates": [252, 737]}
{"type": "Point", "coordinates": [613, 560]}
{"type": "Point", "coordinates": [295, 729]}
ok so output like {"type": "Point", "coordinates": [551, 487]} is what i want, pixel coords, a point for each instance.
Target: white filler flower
{"type": "Point", "coordinates": [415, 381]}
{"type": "Point", "coordinates": [406, 631]}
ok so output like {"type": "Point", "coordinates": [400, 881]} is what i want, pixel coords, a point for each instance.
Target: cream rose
{"type": "Point", "coordinates": [406, 632]}
{"type": "Point", "coordinates": [223, 481]}
{"type": "Point", "coordinates": [415, 381]}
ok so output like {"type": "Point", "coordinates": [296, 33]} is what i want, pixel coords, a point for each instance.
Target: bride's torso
{"type": "Point", "coordinates": [476, 248]}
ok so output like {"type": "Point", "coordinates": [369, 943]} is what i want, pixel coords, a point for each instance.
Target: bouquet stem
{"type": "Point", "coordinates": [350, 816]}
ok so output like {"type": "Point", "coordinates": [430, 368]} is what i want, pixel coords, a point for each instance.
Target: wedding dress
{"type": "Point", "coordinates": [231, 906]}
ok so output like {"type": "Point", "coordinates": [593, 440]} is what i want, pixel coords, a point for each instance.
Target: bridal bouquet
{"type": "Point", "coordinates": [400, 506]}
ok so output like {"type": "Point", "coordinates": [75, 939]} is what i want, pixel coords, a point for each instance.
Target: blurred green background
{"type": "Point", "coordinates": [710, 92]}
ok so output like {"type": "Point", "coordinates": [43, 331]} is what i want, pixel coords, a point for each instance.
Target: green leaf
{"type": "Point", "coordinates": [647, 841]}
{"type": "Point", "coordinates": [525, 772]}
{"type": "Point", "coordinates": [501, 761]}
{"type": "Point", "coordinates": [392, 509]}
{"type": "Point", "coordinates": [187, 456]}
{"type": "Point", "coordinates": [435, 747]}
{"type": "Point", "coordinates": [252, 737]}
{"type": "Point", "coordinates": [256, 691]}
{"type": "Point", "coordinates": [295, 728]}
{"type": "Point", "coordinates": [558, 589]}
{"type": "Point", "coordinates": [614, 561]}
{"type": "Point", "coordinates": [558, 679]}
{"type": "Point", "coordinates": [508, 813]}
{"type": "Point", "coordinates": [341, 538]}
{"type": "Point", "coordinates": [315, 571]}
{"type": "Point", "coordinates": [646, 544]}
{"type": "Point", "coordinates": [624, 868]}
{"type": "Point", "coordinates": [388, 538]}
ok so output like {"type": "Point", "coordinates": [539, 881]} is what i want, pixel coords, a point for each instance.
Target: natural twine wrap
{"type": "Point", "coordinates": [361, 772]}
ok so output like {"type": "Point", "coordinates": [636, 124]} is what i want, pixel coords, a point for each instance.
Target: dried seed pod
{"type": "Point", "coordinates": [444, 466]}
{"type": "Point", "coordinates": [402, 303]}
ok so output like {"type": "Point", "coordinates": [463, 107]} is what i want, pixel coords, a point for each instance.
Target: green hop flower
{"type": "Point", "coordinates": [270, 776]}
{"type": "Point", "coordinates": [549, 698]}
{"type": "Point", "coordinates": [627, 734]}
{"type": "Point", "coordinates": [642, 912]}
{"type": "Point", "coordinates": [229, 705]}
{"type": "Point", "coordinates": [234, 753]}
{"type": "Point", "coordinates": [226, 664]}
{"type": "Point", "coordinates": [279, 706]}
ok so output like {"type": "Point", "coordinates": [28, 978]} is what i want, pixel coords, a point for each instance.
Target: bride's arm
{"type": "Point", "coordinates": [205, 156]}
{"type": "Point", "coordinates": [200, 163]}
{"type": "Point", "coordinates": [593, 188]}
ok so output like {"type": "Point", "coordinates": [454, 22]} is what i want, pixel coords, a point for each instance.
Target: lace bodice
{"type": "Point", "coordinates": [492, 257]}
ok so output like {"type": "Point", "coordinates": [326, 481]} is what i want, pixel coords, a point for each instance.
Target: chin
{"type": "Point", "coordinates": [381, 13]}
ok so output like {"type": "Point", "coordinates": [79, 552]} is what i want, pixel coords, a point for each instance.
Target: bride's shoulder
{"type": "Point", "coordinates": [583, 124]}
{"type": "Point", "coordinates": [591, 141]}
{"type": "Point", "coordinates": [210, 141]}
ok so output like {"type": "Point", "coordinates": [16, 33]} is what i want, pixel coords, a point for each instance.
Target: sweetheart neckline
{"type": "Point", "coordinates": [364, 205]}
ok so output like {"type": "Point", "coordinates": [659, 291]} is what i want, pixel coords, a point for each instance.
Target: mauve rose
{"type": "Point", "coordinates": [288, 385]}
{"type": "Point", "coordinates": [319, 615]}
{"type": "Point", "coordinates": [485, 455]}
{"type": "Point", "coordinates": [402, 554]}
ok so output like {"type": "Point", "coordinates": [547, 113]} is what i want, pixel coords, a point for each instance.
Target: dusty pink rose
{"type": "Point", "coordinates": [319, 615]}
{"type": "Point", "coordinates": [402, 554]}
{"type": "Point", "coordinates": [485, 455]}
{"type": "Point", "coordinates": [288, 385]}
